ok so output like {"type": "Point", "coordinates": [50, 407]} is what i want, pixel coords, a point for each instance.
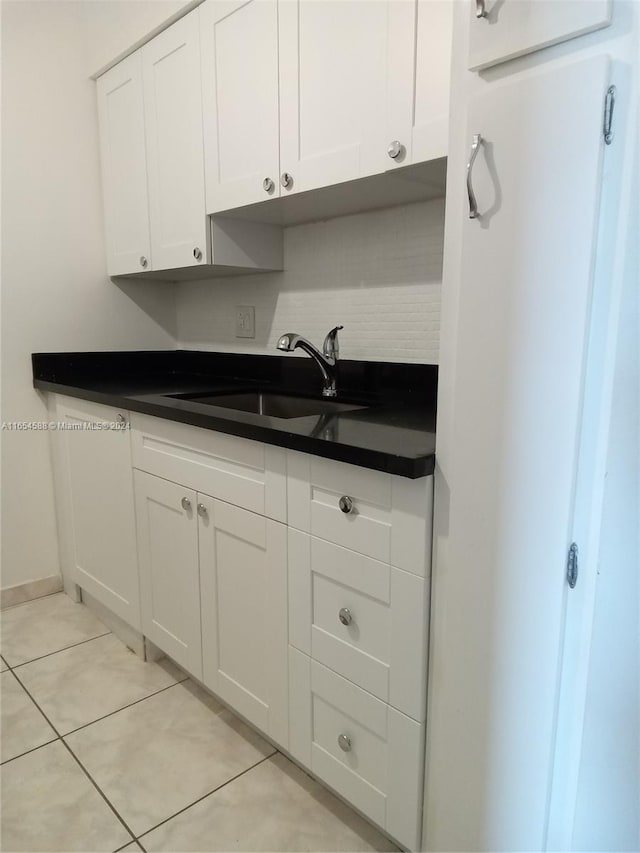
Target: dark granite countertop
{"type": "Point", "coordinates": [395, 432]}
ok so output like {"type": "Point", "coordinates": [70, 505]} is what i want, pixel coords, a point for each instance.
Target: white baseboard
{"type": "Point", "coordinates": [27, 591]}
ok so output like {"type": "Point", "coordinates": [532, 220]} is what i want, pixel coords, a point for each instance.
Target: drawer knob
{"type": "Point", "coordinates": [395, 149]}
{"type": "Point", "coordinates": [346, 504]}
{"type": "Point", "coordinates": [344, 742]}
{"type": "Point", "coordinates": [286, 180]}
{"type": "Point", "coordinates": [202, 511]}
{"type": "Point", "coordinates": [197, 253]}
{"type": "Point", "coordinates": [186, 504]}
{"type": "Point", "coordinates": [268, 185]}
{"type": "Point", "coordinates": [345, 616]}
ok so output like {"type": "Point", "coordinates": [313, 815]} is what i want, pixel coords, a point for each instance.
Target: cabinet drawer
{"type": "Point", "coordinates": [367, 751]}
{"type": "Point", "coordinates": [383, 648]}
{"type": "Point", "coordinates": [390, 517]}
{"type": "Point", "coordinates": [246, 473]}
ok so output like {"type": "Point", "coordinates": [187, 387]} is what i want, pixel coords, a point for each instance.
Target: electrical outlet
{"type": "Point", "coordinates": [245, 321]}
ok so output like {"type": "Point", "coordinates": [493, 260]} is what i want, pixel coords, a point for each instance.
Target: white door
{"type": "Point", "coordinates": [333, 61]}
{"type": "Point", "coordinates": [504, 29]}
{"type": "Point", "coordinates": [420, 39]}
{"type": "Point", "coordinates": [173, 117]}
{"type": "Point", "coordinates": [169, 575]}
{"type": "Point", "coordinates": [243, 573]}
{"type": "Point", "coordinates": [124, 167]}
{"type": "Point", "coordinates": [525, 293]}
{"type": "Point", "coordinates": [239, 42]}
{"type": "Point", "coordinates": [99, 507]}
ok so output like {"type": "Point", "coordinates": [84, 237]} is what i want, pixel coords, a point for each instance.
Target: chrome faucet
{"type": "Point", "coordinates": [326, 360]}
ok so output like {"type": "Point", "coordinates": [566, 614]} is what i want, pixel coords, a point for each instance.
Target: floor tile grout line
{"type": "Point", "coordinates": [79, 763]}
{"type": "Point", "coordinates": [123, 708]}
{"type": "Point", "coordinates": [57, 651]}
{"type": "Point", "coordinates": [99, 790]}
{"type": "Point", "coordinates": [128, 844]}
{"type": "Point", "coordinates": [208, 794]}
{"type": "Point", "coordinates": [27, 751]}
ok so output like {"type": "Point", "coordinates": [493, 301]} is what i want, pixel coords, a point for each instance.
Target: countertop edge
{"type": "Point", "coordinates": [411, 468]}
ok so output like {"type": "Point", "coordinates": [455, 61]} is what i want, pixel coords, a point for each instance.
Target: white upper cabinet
{"type": "Point", "coordinates": [333, 68]}
{"type": "Point", "coordinates": [239, 40]}
{"type": "Point", "coordinates": [419, 60]}
{"type": "Point", "coordinates": [124, 167]}
{"type": "Point", "coordinates": [173, 120]}
{"type": "Point", "coordinates": [331, 86]}
{"type": "Point", "coordinates": [504, 29]}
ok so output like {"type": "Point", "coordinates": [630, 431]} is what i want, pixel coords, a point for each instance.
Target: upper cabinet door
{"type": "Point", "coordinates": [173, 114]}
{"type": "Point", "coordinates": [419, 61]}
{"type": "Point", "coordinates": [333, 63]}
{"type": "Point", "coordinates": [504, 29]}
{"type": "Point", "coordinates": [239, 42]}
{"type": "Point", "coordinates": [124, 167]}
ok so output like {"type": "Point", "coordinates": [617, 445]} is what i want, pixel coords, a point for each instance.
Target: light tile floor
{"type": "Point", "coordinates": [102, 752]}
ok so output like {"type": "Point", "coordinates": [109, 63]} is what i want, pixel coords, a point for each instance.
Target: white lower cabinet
{"type": "Point", "coordinates": [94, 486]}
{"type": "Point", "coordinates": [362, 618]}
{"type": "Point", "coordinates": [213, 582]}
{"type": "Point", "coordinates": [305, 608]}
{"type": "Point", "coordinates": [364, 749]}
{"type": "Point", "coordinates": [169, 570]}
{"type": "Point", "coordinates": [359, 564]}
{"type": "Point", "coordinates": [243, 577]}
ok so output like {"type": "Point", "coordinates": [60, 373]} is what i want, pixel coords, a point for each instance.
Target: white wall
{"type": "Point", "coordinates": [378, 274]}
{"type": "Point", "coordinates": [55, 294]}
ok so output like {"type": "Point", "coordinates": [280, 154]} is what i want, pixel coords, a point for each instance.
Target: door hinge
{"type": "Point", "coordinates": [607, 125]}
{"type": "Point", "coordinates": [572, 565]}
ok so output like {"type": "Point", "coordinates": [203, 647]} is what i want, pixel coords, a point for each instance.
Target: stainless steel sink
{"type": "Point", "coordinates": [272, 405]}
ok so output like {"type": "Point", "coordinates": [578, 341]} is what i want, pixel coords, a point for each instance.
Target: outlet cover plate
{"type": "Point", "coordinates": [245, 321]}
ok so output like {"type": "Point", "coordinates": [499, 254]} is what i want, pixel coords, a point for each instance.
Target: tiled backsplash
{"type": "Point", "coordinates": [378, 274]}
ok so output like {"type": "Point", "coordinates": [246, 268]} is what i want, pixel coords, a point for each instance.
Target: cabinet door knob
{"type": "Point", "coordinates": [344, 742]}
{"type": "Point", "coordinates": [481, 12]}
{"type": "Point", "coordinates": [143, 261]}
{"type": "Point", "coordinates": [286, 180]}
{"type": "Point", "coordinates": [197, 254]}
{"type": "Point", "coordinates": [345, 616]}
{"type": "Point", "coordinates": [346, 504]}
{"type": "Point", "coordinates": [268, 185]}
{"type": "Point", "coordinates": [202, 510]}
{"type": "Point", "coordinates": [120, 419]}
{"type": "Point", "coordinates": [186, 504]}
{"type": "Point", "coordinates": [395, 149]}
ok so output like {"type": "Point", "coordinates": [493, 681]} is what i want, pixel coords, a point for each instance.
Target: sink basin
{"type": "Point", "coordinates": [272, 405]}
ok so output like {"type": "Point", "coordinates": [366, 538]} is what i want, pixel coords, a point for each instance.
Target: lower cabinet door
{"type": "Point", "coordinates": [98, 533]}
{"type": "Point", "coordinates": [169, 574]}
{"type": "Point", "coordinates": [364, 749]}
{"type": "Point", "coordinates": [243, 575]}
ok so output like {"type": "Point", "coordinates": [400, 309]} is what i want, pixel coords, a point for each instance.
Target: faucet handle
{"type": "Point", "coordinates": [331, 347]}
